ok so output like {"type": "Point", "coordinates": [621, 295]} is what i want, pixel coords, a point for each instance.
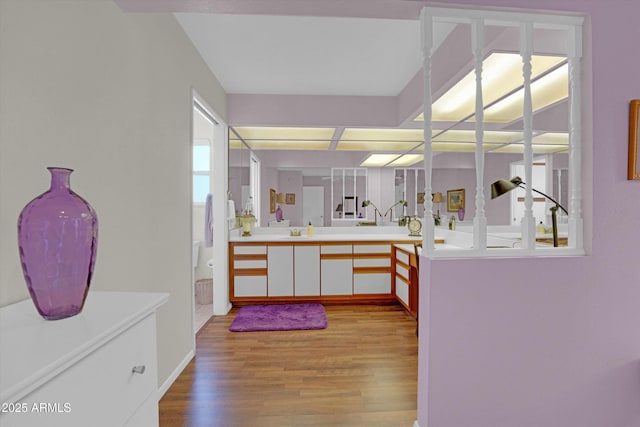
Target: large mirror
{"type": "Point", "coordinates": [239, 178]}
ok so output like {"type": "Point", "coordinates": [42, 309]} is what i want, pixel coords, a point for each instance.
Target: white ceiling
{"type": "Point", "coordinates": [295, 55]}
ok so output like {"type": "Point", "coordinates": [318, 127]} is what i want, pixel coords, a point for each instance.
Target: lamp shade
{"type": "Point", "coordinates": [502, 186]}
{"type": "Point", "coordinates": [339, 208]}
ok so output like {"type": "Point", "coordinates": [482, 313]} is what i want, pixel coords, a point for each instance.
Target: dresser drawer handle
{"type": "Point", "coordinates": [138, 369]}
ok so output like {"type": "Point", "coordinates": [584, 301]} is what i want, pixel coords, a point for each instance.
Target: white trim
{"type": "Point", "coordinates": [526, 23]}
{"type": "Point", "coordinates": [502, 17]}
{"type": "Point", "coordinates": [428, 224]}
{"type": "Point", "coordinates": [219, 186]}
{"type": "Point", "coordinates": [175, 374]}
{"type": "Point", "coordinates": [480, 219]}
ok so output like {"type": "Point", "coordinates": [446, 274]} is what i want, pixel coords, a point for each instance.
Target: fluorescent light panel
{"type": "Point", "coordinates": [470, 136]}
{"type": "Point", "coordinates": [552, 138]}
{"type": "Point", "coordinates": [285, 138]}
{"type": "Point", "coordinates": [407, 160]}
{"type": "Point", "coordinates": [501, 74]}
{"type": "Point", "coordinates": [547, 90]}
{"type": "Point", "coordinates": [378, 159]}
{"type": "Point", "coordinates": [537, 149]}
{"type": "Point", "coordinates": [289, 144]}
{"type": "Point", "coordinates": [460, 147]}
{"type": "Point", "coordinates": [389, 139]}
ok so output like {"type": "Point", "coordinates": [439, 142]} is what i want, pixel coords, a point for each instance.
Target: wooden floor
{"type": "Point", "coordinates": [360, 371]}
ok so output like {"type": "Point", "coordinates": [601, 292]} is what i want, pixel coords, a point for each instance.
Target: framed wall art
{"type": "Point", "coordinates": [290, 198]}
{"type": "Point", "coordinates": [272, 200]}
{"type": "Point", "coordinates": [634, 140]}
{"type": "Point", "coordinates": [455, 200]}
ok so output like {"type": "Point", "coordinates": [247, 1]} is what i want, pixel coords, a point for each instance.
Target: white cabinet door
{"type": "Point", "coordinates": [280, 271]}
{"type": "Point", "coordinates": [372, 283]}
{"type": "Point", "coordinates": [250, 286]}
{"type": "Point", "coordinates": [336, 277]}
{"type": "Point", "coordinates": [307, 270]}
{"type": "Point", "coordinates": [402, 291]}
{"type": "Point", "coordinates": [336, 270]}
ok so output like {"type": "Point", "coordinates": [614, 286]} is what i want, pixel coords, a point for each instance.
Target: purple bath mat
{"type": "Point", "coordinates": [280, 317]}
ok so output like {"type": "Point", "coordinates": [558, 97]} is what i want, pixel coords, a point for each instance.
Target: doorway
{"type": "Point", "coordinates": [313, 205]}
{"type": "Point", "coordinates": [209, 226]}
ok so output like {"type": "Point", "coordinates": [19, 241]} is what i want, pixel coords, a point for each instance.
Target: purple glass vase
{"type": "Point", "coordinates": [461, 214]}
{"type": "Point", "coordinates": [58, 240]}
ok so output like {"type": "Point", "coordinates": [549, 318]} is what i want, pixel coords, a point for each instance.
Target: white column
{"type": "Point", "coordinates": [526, 50]}
{"type": "Point", "coordinates": [428, 226]}
{"type": "Point", "coordinates": [480, 219]}
{"type": "Point", "coordinates": [575, 140]}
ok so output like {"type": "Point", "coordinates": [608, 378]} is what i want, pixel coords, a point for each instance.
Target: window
{"type": "Point", "coordinates": [514, 111]}
{"type": "Point", "coordinates": [203, 133]}
{"type": "Point", "coordinates": [201, 172]}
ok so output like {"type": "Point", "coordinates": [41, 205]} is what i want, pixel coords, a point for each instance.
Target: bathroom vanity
{"type": "Point", "coordinates": [328, 267]}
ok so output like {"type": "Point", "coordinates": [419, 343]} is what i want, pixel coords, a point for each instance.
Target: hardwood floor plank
{"type": "Point", "coordinates": [360, 371]}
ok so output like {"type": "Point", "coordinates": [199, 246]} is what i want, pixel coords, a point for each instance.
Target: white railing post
{"type": "Point", "coordinates": [480, 219]}
{"type": "Point", "coordinates": [526, 50]}
{"type": "Point", "coordinates": [428, 229]}
{"type": "Point", "coordinates": [575, 140]}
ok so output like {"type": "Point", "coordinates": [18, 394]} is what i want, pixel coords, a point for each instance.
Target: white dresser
{"type": "Point", "coordinates": [98, 368]}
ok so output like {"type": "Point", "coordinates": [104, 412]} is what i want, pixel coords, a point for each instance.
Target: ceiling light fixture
{"type": "Point", "coordinates": [379, 159]}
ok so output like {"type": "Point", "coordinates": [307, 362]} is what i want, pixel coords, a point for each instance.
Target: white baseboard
{"type": "Point", "coordinates": [174, 375]}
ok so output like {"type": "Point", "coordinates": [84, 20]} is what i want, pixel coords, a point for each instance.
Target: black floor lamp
{"type": "Point", "coordinates": [502, 186]}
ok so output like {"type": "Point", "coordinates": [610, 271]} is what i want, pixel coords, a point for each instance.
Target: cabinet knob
{"type": "Point", "coordinates": [138, 369]}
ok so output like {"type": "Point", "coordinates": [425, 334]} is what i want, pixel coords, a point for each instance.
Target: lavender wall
{"type": "Point", "coordinates": [546, 341]}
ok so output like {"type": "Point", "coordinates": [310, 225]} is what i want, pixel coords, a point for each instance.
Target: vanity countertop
{"type": "Point", "coordinates": [328, 237]}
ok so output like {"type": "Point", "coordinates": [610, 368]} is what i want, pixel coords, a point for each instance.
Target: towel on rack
{"type": "Point", "coordinates": [208, 221]}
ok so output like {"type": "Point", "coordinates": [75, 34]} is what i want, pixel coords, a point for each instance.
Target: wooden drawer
{"type": "Point", "coordinates": [250, 250]}
{"type": "Point", "coordinates": [250, 286]}
{"type": "Point", "coordinates": [402, 256]}
{"type": "Point", "coordinates": [240, 264]}
{"type": "Point", "coordinates": [101, 389]}
{"type": "Point", "coordinates": [372, 262]}
{"type": "Point", "coordinates": [371, 249]}
{"type": "Point", "coordinates": [401, 271]}
{"type": "Point", "coordinates": [336, 249]}
{"type": "Point", "coordinates": [372, 283]}
{"type": "Point", "coordinates": [402, 291]}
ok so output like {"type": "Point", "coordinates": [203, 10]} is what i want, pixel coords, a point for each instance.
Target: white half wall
{"type": "Point", "coordinates": [107, 93]}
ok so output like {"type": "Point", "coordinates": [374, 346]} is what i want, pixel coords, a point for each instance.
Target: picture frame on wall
{"type": "Point", "coordinates": [290, 198]}
{"type": "Point", "coordinates": [272, 200]}
{"type": "Point", "coordinates": [634, 140]}
{"type": "Point", "coordinates": [455, 200]}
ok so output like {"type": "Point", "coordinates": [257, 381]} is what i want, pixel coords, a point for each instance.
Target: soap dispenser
{"type": "Point", "coordinates": [310, 230]}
